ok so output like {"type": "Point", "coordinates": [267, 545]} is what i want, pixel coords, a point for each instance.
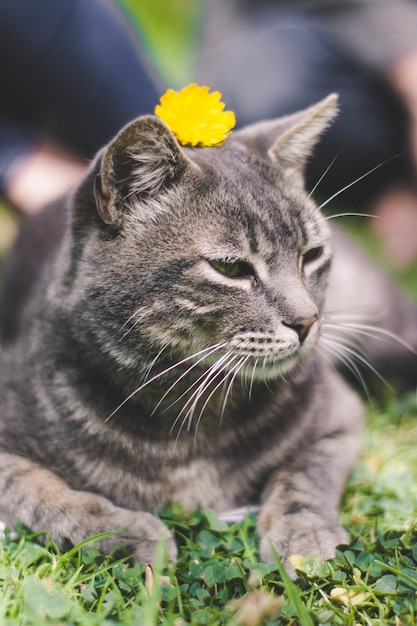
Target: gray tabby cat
{"type": "Point", "coordinates": [164, 339]}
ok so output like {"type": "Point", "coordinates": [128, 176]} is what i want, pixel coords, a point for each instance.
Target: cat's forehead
{"type": "Point", "coordinates": [246, 199]}
{"type": "Point", "coordinates": [231, 159]}
{"type": "Point", "coordinates": [232, 175]}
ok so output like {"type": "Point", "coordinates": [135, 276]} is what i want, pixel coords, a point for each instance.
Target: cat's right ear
{"type": "Point", "coordinates": [142, 162]}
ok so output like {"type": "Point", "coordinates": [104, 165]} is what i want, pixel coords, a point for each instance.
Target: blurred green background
{"type": "Point", "coordinates": [169, 31]}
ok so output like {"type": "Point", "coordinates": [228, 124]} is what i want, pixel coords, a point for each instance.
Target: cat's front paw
{"type": "Point", "coordinates": [143, 536]}
{"type": "Point", "coordinates": [137, 533]}
{"type": "Point", "coordinates": [293, 535]}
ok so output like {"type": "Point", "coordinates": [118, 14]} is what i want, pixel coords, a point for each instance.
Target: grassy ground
{"type": "Point", "coordinates": [218, 578]}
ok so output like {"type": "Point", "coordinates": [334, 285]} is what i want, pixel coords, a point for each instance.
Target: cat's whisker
{"type": "Point", "coordinates": [367, 330]}
{"type": "Point", "coordinates": [265, 365]}
{"type": "Point", "coordinates": [357, 180]}
{"type": "Point", "coordinates": [129, 330]}
{"type": "Point", "coordinates": [227, 374]}
{"type": "Point", "coordinates": [337, 351]}
{"type": "Point", "coordinates": [326, 351]}
{"type": "Point", "coordinates": [252, 378]}
{"type": "Point", "coordinates": [352, 343]}
{"type": "Point", "coordinates": [348, 350]}
{"type": "Point", "coordinates": [326, 171]}
{"type": "Point", "coordinates": [214, 366]}
{"type": "Point", "coordinates": [344, 338]}
{"type": "Point", "coordinates": [160, 374]}
{"type": "Point", "coordinates": [134, 315]}
{"type": "Point", "coordinates": [348, 214]}
{"type": "Point", "coordinates": [131, 317]}
{"type": "Point", "coordinates": [206, 378]}
{"type": "Point", "coordinates": [151, 365]}
{"type": "Point", "coordinates": [237, 368]}
{"type": "Point", "coordinates": [199, 392]}
{"type": "Point", "coordinates": [223, 382]}
{"type": "Point", "coordinates": [138, 320]}
{"type": "Point", "coordinates": [354, 313]}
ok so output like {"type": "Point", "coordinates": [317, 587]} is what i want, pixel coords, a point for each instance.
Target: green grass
{"type": "Point", "coordinates": [218, 578]}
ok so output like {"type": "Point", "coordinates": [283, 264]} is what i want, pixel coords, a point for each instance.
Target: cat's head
{"type": "Point", "coordinates": [217, 252]}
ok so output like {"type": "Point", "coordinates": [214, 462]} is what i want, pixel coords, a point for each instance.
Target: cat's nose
{"type": "Point", "coordinates": [302, 326]}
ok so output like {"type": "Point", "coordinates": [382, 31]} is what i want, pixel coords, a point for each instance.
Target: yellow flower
{"type": "Point", "coordinates": [195, 116]}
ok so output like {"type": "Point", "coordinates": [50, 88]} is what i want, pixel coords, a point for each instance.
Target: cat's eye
{"type": "Point", "coordinates": [234, 269]}
{"type": "Point", "coordinates": [313, 254]}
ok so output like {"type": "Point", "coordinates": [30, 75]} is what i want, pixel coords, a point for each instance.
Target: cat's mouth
{"type": "Point", "coordinates": [262, 369]}
{"type": "Point", "coordinates": [258, 355]}
{"type": "Point", "coordinates": [273, 355]}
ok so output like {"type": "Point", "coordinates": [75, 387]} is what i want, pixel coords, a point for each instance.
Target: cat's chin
{"type": "Point", "coordinates": [263, 370]}
{"type": "Point", "coordinates": [266, 367]}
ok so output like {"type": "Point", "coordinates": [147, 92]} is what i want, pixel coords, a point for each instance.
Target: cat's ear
{"type": "Point", "coordinates": [295, 145]}
{"type": "Point", "coordinates": [141, 162]}
{"type": "Point", "coordinates": [290, 140]}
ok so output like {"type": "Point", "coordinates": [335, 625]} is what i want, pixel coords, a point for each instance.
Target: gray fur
{"type": "Point", "coordinates": [99, 426]}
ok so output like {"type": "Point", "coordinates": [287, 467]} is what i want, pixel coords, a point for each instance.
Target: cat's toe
{"type": "Point", "coordinates": [320, 540]}
{"type": "Point", "coordinates": [154, 541]}
{"type": "Point", "coordinates": [141, 535]}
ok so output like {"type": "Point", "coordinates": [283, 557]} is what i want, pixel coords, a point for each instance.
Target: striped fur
{"type": "Point", "coordinates": [167, 345]}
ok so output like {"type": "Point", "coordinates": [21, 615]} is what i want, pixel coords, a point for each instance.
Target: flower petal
{"type": "Point", "coordinates": [195, 116]}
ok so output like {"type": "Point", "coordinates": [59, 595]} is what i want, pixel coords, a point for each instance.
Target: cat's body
{"type": "Point", "coordinates": [162, 254]}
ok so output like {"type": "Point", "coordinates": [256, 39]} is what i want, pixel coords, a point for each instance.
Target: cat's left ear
{"type": "Point", "coordinates": [296, 143]}
{"type": "Point", "coordinates": [141, 162]}
{"type": "Point", "coordinates": [289, 140]}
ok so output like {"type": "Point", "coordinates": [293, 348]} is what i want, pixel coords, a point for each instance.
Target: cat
{"type": "Point", "coordinates": [164, 339]}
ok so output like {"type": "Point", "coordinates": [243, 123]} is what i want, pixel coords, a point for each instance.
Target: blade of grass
{"type": "Point", "coordinates": [292, 592]}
